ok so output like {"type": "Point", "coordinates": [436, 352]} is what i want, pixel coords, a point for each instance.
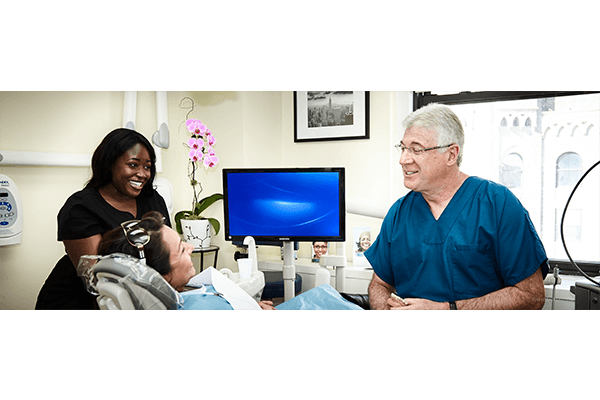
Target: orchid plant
{"type": "Point", "coordinates": [201, 151]}
{"type": "Point", "coordinates": [198, 150]}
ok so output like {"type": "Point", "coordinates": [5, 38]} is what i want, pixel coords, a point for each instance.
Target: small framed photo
{"type": "Point", "coordinates": [361, 242]}
{"type": "Point", "coordinates": [319, 249]}
{"type": "Point", "coordinates": [331, 116]}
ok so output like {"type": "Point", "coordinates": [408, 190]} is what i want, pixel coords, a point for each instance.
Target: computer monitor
{"type": "Point", "coordinates": [285, 204]}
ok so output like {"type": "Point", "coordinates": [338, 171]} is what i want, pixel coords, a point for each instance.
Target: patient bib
{"type": "Point", "coordinates": [204, 299]}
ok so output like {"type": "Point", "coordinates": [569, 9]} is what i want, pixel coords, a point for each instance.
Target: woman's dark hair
{"type": "Point", "coordinates": [113, 146]}
{"type": "Point", "coordinates": [157, 255]}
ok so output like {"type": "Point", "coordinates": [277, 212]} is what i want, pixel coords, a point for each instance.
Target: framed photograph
{"type": "Point", "coordinates": [361, 238]}
{"type": "Point", "coordinates": [319, 249]}
{"type": "Point", "coordinates": [331, 116]}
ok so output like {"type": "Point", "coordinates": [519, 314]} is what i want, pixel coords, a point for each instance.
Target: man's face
{"type": "Point", "coordinates": [426, 171]}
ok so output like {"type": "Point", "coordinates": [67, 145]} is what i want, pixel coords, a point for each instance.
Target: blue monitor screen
{"type": "Point", "coordinates": [302, 204]}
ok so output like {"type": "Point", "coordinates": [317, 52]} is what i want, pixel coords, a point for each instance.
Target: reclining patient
{"type": "Point", "coordinates": [163, 250]}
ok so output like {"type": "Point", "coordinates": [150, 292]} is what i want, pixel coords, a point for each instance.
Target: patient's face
{"type": "Point", "coordinates": [182, 267]}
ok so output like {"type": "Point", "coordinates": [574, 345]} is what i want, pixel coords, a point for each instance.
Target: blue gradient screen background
{"type": "Point", "coordinates": [284, 204]}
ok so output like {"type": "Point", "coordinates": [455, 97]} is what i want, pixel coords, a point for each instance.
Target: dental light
{"type": "Point", "coordinates": [160, 138]}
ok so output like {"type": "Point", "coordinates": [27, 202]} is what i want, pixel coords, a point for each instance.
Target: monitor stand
{"type": "Point", "coordinates": [289, 271]}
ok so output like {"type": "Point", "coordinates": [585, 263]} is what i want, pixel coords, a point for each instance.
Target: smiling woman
{"type": "Point", "coordinates": [121, 189]}
{"type": "Point", "coordinates": [130, 172]}
{"type": "Point", "coordinates": [119, 149]}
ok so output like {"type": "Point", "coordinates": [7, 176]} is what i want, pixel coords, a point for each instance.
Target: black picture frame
{"type": "Point", "coordinates": [323, 116]}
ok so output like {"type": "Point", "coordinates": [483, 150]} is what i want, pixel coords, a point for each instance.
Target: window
{"type": "Point", "coordinates": [571, 227]}
{"type": "Point", "coordinates": [568, 169]}
{"type": "Point", "coordinates": [538, 144]}
{"type": "Point", "coordinates": [511, 170]}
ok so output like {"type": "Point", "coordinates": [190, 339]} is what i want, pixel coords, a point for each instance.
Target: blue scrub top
{"type": "Point", "coordinates": [483, 241]}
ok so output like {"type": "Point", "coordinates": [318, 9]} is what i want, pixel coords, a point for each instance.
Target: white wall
{"type": "Point", "coordinates": [252, 129]}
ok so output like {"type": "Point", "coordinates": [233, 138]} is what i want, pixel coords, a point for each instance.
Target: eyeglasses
{"type": "Point", "coordinates": [136, 236]}
{"type": "Point", "coordinates": [416, 151]}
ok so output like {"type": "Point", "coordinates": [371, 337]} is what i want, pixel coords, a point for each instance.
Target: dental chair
{"type": "Point", "coordinates": [122, 282]}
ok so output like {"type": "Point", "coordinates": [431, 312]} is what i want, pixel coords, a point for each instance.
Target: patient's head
{"type": "Point", "coordinates": [165, 252]}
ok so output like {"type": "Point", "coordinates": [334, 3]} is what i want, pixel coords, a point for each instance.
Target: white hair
{"type": "Point", "coordinates": [441, 120]}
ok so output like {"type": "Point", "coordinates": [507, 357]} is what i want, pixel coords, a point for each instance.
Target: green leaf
{"type": "Point", "coordinates": [215, 224]}
{"type": "Point", "coordinates": [178, 217]}
{"type": "Point", "coordinates": [207, 202]}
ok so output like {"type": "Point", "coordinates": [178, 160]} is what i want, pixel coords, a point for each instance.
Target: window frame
{"type": "Point", "coordinates": [421, 99]}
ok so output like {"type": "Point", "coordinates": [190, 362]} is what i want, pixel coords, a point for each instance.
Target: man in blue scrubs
{"type": "Point", "coordinates": [455, 241]}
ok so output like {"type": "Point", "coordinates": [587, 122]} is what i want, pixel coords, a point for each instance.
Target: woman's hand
{"type": "Point", "coordinates": [266, 305]}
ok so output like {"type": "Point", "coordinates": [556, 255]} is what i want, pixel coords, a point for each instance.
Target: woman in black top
{"type": "Point", "coordinates": [121, 189]}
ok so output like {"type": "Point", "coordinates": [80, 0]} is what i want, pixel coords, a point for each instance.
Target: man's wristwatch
{"type": "Point", "coordinates": [452, 305]}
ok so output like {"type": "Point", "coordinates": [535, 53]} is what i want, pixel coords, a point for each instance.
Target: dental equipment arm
{"type": "Point", "coordinates": [249, 241]}
{"type": "Point", "coordinates": [289, 269]}
{"type": "Point", "coordinates": [339, 263]}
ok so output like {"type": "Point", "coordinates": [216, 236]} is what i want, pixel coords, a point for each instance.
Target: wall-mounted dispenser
{"type": "Point", "coordinates": [11, 212]}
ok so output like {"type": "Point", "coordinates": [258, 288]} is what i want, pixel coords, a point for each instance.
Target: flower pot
{"type": "Point", "coordinates": [196, 232]}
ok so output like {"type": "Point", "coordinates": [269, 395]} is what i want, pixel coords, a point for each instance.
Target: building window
{"type": "Point", "coordinates": [571, 227]}
{"type": "Point", "coordinates": [511, 170]}
{"type": "Point", "coordinates": [568, 169]}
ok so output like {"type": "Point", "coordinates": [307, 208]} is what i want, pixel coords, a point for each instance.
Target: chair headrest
{"type": "Point", "coordinates": [130, 269]}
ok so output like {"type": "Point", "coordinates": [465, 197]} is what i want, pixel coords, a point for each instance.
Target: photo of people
{"type": "Point", "coordinates": [319, 250]}
{"type": "Point", "coordinates": [361, 242]}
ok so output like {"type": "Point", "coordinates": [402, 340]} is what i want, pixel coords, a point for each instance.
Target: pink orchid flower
{"type": "Point", "coordinates": [196, 126]}
{"type": "Point", "coordinates": [195, 155]}
{"type": "Point", "coordinates": [211, 139]}
{"type": "Point", "coordinates": [195, 144]}
{"type": "Point", "coordinates": [210, 161]}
